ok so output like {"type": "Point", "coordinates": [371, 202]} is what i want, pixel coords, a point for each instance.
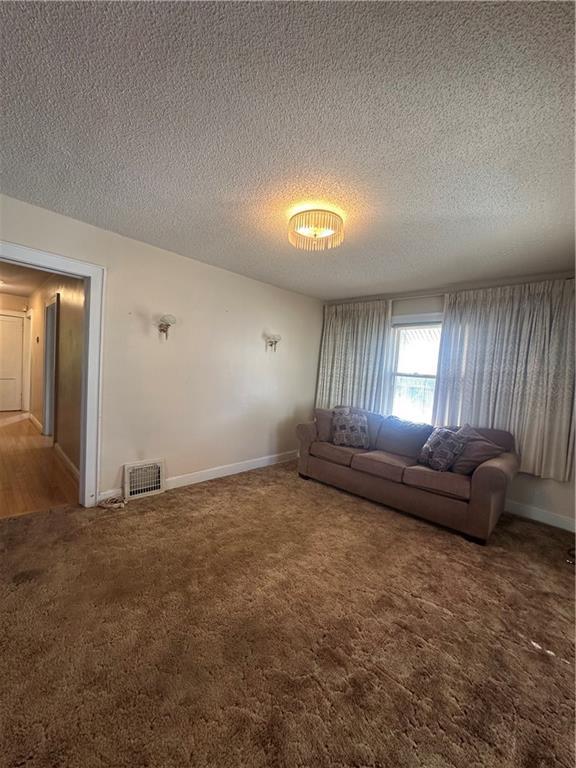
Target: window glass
{"type": "Point", "coordinates": [415, 372]}
{"type": "Point", "coordinates": [418, 350]}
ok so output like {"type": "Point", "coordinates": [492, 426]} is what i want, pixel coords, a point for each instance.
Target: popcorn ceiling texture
{"type": "Point", "coordinates": [444, 130]}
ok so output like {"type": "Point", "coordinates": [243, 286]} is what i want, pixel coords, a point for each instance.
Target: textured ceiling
{"type": "Point", "coordinates": [20, 281]}
{"type": "Point", "coordinates": [444, 131]}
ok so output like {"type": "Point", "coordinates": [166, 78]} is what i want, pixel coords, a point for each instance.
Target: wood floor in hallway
{"type": "Point", "coordinates": [32, 476]}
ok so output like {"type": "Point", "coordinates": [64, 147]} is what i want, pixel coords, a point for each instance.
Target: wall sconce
{"type": "Point", "coordinates": [165, 322]}
{"type": "Point", "coordinates": [272, 340]}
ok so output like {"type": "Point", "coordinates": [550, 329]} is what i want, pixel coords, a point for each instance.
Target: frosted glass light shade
{"type": "Point", "coordinates": [316, 230]}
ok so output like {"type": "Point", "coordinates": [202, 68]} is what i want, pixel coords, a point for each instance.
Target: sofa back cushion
{"type": "Point", "coordinates": [374, 422]}
{"type": "Point", "coordinates": [499, 436]}
{"type": "Point", "coordinates": [323, 418]}
{"type": "Point", "coordinates": [477, 450]}
{"type": "Point", "coordinates": [404, 437]}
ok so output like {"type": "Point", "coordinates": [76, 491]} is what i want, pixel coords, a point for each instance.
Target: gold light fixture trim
{"type": "Point", "coordinates": [316, 230]}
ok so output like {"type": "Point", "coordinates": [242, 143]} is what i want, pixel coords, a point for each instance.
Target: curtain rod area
{"type": "Point", "coordinates": [427, 294]}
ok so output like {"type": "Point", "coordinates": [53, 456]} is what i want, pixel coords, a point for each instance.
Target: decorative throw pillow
{"type": "Point", "coordinates": [442, 448]}
{"type": "Point", "coordinates": [350, 429]}
{"type": "Point", "coordinates": [477, 450]}
{"type": "Point", "coordinates": [374, 421]}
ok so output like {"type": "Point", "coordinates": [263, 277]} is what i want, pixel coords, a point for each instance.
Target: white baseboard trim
{"type": "Point", "coordinates": [540, 515]}
{"type": "Point", "coordinates": [66, 461]}
{"type": "Point", "coordinates": [36, 423]}
{"type": "Point", "coordinates": [211, 474]}
{"type": "Point", "coordinates": [228, 469]}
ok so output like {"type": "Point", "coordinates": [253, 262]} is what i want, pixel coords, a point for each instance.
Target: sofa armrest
{"type": "Point", "coordinates": [488, 493]}
{"type": "Point", "coordinates": [306, 434]}
{"type": "Point", "coordinates": [495, 473]}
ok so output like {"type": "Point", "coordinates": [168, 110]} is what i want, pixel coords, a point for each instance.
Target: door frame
{"type": "Point", "coordinates": [94, 281]}
{"type": "Point", "coordinates": [27, 373]}
{"type": "Point", "coordinates": [50, 366]}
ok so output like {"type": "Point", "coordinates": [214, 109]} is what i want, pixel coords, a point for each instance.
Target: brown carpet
{"type": "Point", "coordinates": [262, 620]}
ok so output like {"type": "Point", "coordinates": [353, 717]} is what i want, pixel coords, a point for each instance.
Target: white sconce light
{"type": "Point", "coordinates": [165, 322]}
{"type": "Point", "coordinates": [272, 340]}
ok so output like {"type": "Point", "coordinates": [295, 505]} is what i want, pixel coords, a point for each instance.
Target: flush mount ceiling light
{"type": "Point", "coordinates": [316, 230]}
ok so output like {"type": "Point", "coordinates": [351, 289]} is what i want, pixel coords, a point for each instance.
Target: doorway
{"type": "Point", "coordinates": [41, 442]}
{"type": "Point", "coordinates": [83, 387]}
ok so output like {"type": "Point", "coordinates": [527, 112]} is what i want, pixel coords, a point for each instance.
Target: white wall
{"type": "Point", "coordinates": [545, 500]}
{"type": "Point", "coordinates": [211, 394]}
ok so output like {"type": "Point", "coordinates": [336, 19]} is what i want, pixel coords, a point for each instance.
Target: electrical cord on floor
{"type": "Point", "coordinates": [115, 502]}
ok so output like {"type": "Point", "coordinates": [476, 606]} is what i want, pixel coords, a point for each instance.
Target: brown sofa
{"type": "Point", "coordinates": [388, 472]}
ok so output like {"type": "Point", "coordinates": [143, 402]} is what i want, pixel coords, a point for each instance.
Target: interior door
{"type": "Point", "coordinates": [11, 351]}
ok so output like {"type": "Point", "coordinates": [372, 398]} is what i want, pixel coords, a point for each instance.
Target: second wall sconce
{"type": "Point", "coordinates": [272, 340]}
{"type": "Point", "coordinates": [164, 324]}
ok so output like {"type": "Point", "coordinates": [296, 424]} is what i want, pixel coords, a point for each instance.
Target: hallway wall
{"type": "Point", "coordinates": [70, 353]}
{"type": "Point", "coordinates": [13, 303]}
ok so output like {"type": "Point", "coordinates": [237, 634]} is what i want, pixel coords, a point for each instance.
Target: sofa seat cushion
{"type": "Point", "coordinates": [337, 454]}
{"type": "Point", "coordinates": [382, 464]}
{"type": "Point", "coordinates": [445, 483]}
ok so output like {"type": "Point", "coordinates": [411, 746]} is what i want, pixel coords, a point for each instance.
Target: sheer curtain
{"type": "Point", "coordinates": [355, 340]}
{"type": "Point", "coordinates": [507, 361]}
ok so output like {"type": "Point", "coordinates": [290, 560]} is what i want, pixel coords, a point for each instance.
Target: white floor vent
{"type": "Point", "coordinates": [144, 478]}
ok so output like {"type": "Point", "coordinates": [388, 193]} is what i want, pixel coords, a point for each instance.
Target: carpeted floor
{"type": "Point", "coordinates": [262, 620]}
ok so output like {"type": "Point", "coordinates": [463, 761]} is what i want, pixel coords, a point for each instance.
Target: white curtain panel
{"type": "Point", "coordinates": [507, 361]}
{"type": "Point", "coordinates": [352, 355]}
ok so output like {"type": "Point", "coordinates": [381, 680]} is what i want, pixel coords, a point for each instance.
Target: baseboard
{"type": "Point", "coordinates": [228, 469]}
{"type": "Point", "coordinates": [36, 423]}
{"type": "Point", "coordinates": [540, 515]}
{"type": "Point", "coordinates": [66, 461]}
{"type": "Point", "coordinates": [178, 481]}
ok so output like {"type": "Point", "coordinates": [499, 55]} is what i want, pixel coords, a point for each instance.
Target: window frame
{"type": "Point", "coordinates": [399, 326]}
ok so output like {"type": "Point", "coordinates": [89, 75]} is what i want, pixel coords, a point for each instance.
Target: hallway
{"type": "Point", "coordinates": [32, 477]}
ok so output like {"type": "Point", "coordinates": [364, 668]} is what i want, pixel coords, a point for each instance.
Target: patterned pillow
{"type": "Point", "coordinates": [350, 429]}
{"type": "Point", "coordinates": [442, 448]}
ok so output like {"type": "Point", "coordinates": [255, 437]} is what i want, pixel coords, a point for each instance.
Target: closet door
{"type": "Point", "coordinates": [11, 349]}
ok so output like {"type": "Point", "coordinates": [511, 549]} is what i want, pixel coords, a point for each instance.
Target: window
{"type": "Point", "coordinates": [415, 371]}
